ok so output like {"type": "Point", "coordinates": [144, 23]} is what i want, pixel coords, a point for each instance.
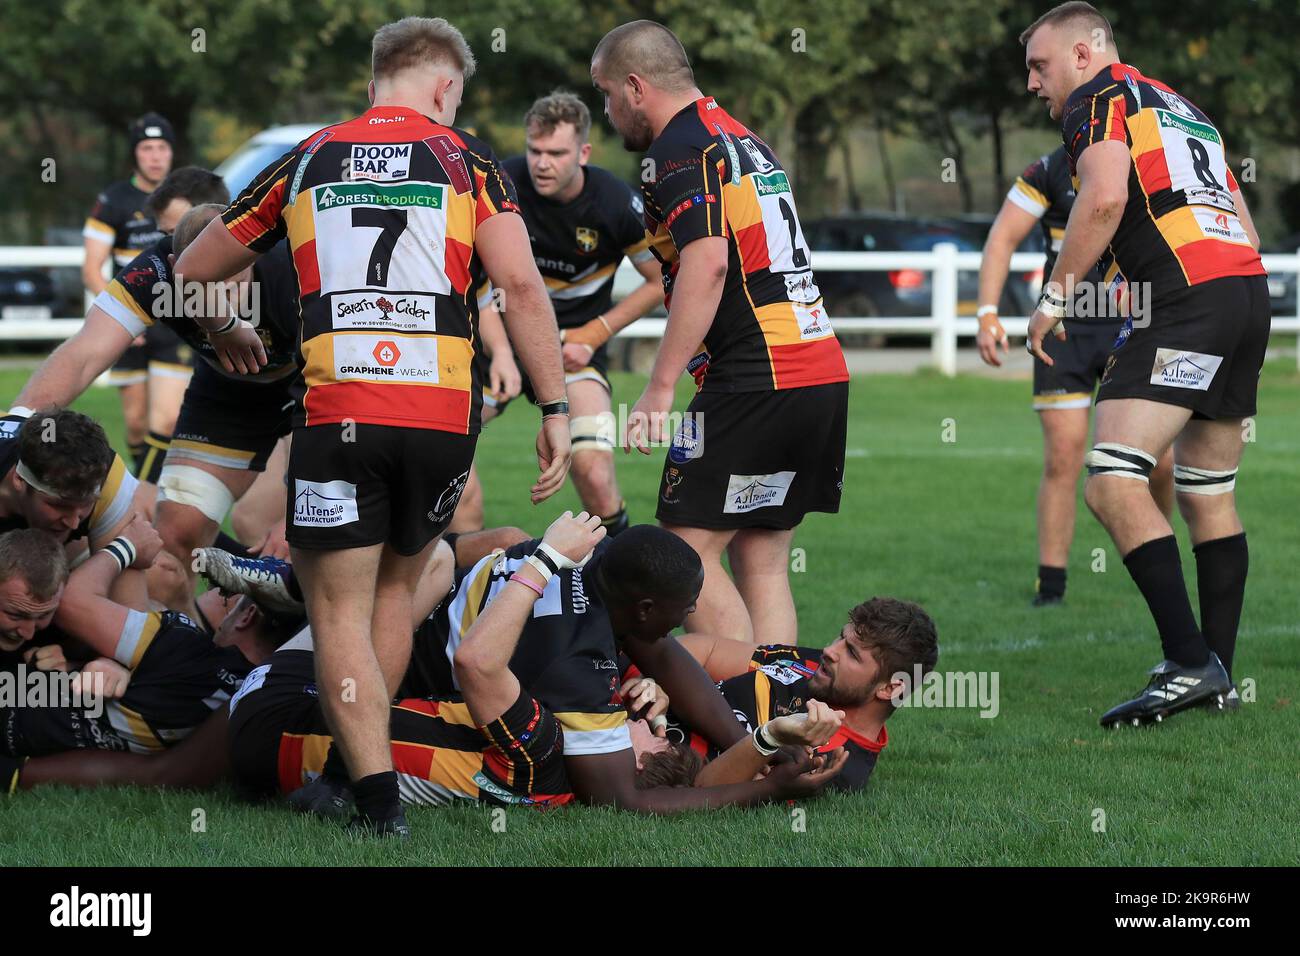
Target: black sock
{"type": "Point", "coordinates": [136, 450]}
{"type": "Point", "coordinates": [1221, 567]}
{"type": "Point", "coordinates": [226, 543]}
{"type": "Point", "coordinates": [377, 798]}
{"type": "Point", "coordinates": [1158, 573]}
{"type": "Point", "coordinates": [616, 522]}
{"type": "Point", "coordinates": [334, 767]}
{"type": "Point", "coordinates": [149, 465]}
{"type": "Point", "coordinates": [1051, 581]}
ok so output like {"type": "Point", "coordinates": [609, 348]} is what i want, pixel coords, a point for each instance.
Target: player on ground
{"type": "Point", "coordinates": [762, 443]}
{"type": "Point", "coordinates": [385, 215]}
{"type": "Point", "coordinates": [1154, 184]}
{"type": "Point", "coordinates": [1044, 194]}
{"type": "Point", "coordinates": [153, 372]}
{"type": "Point", "coordinates": [582, 221]}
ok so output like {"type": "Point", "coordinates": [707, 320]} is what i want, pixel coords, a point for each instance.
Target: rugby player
{"type": "Point", "coordinates": [762, 443]}
{"type": "Point", "coordinates": [152, 373]}
{"type": "Point", "coordinates": [1044, 194]}
{"type": "Point", "coordinates": [582, 221]}
{"type": "Point", "coordinates": [494, 737]}
{"type": "Point", "coordinates": [884, 648]}
{"type": "Point", "coordinates": [385, 215]}
{"type": "Point", "coordinates": [1154, 184]}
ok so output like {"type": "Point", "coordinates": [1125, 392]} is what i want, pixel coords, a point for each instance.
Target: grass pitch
{"type": "Point", "coordinates": [949, 524]}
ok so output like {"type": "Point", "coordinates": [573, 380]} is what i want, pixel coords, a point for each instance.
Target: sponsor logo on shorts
{"type": "Point", "coordinates": [1179, 369]}
{"type": "Point", "coordinates": [324, 504]}
{"type": "Point", "coordinates": [672, 478]}
{"type": "Point", "coordinates": [751, 492]}
{"type": "Point", "coordinates": [446, 503]}
{"type": "Point", "coordinates": [371, 310]}
{"type": "Point", "coordinates": [373, 357]}
{"type": "Point", "coordinates": [688, 443]}
{"type": "Point", "coordinates": [782, 673]}
{"type": "Point", "coordinates": [381, 162]}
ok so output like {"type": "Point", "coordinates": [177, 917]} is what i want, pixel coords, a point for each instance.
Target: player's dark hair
{"type": "Point", "coordinates": [559, 107]}
{"type": "Point", "coordinates": [194, 184]}
{"type": "Point", "coordinates": [647, 561]}
{"type": "Point", "coordinates": [647, 49]}
{"type": "Point", "coordinates": [678, 766]}
{"type": "Point", "coordinates": [37, 557]}
{"type": "Point", "coordinates": [1075, 11]}
{"type": "Point", "coordinates": [193, 223]}
{"type": "Point", "coordinates": [899, 634]}
{"type": "Point", "coordinates": [66, 452]}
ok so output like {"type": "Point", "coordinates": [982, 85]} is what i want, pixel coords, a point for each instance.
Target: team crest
{"type": "Point", "coordinates": [587, 239]}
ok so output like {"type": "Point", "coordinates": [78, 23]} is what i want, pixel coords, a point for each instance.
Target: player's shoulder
{"type": "Point", "coordinates": [606, 184]}
{"type": "Point", "coordinates": [148, 267]}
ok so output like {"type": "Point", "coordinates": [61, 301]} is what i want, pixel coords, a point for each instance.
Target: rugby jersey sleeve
{"type": "Point", "coordinates": [494, 190]}
{"type": "Point", "coordinates": [686, 191]}
{"type": "Point", "coordinates": [1094, 117]}
{"type": "Point", "coordinates": [133, 296]}
{"type": "Point", "coordinates": [256, 217]}
{"type": "Point", "coordinates": [104, 220]}
{"type": "Point", "coordinates": [630, 226]}
{"type": "Point", "coordinates": [1032, 191]}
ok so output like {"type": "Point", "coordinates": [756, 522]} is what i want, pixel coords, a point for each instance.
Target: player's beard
{"type": "Point", "coordinates": [639, 135]}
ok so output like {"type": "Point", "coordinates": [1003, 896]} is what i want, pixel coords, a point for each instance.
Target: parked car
{"type": "Point", "coordinates": [905, 292]}
{"type": "Point", "coordinates": [239, 168]}
{"type": "Point", "coordinates": [27, 293]}
{"type": "Point", "coordinates": [1282, 285]}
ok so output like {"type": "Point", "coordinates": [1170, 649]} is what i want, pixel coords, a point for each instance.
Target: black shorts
{"type": "Point", "coordinates": [597, 370]}
{"type": "Point", "coordinates": [163, 353]}
{"type": "Point", "coordinates": [756, 459]}
{"type": "Point", "coordinates": [230, 423]}
{"type": "Point", "coordinates": [354, 485]}
{"type": "Point", "coordinates": [1080, 360]}
{"type": "Point", "coordinates": [279, 741]}
{"type": "Point", "coordinates": [1202, 349]}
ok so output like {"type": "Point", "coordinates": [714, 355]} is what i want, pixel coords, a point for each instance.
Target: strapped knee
{"type": "Point", "coordinates": [1122, 461]}
{"type": "Point", "coordinates": [187, 485]}
{"type": "Point", "coordinates": [1203, 481]}
{"type": "Point", "coordinates": [594, 432]}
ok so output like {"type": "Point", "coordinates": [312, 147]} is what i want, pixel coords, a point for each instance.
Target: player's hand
{"type": "Point", "coordinates": [644, 698]}
{"type": "Point", "coordinates": [811, 729]}
{"type": "Point", "coordinates": [47, 658]}
{"type": "Point", "coordinates": [576, 355]}
{"type": "Point", "coordinates": [240, 350]}
{"type": "Point", "coordinates": [574, 537]}
{"type": "Point", "coordinates": [990, 336]}
{"type": "Point", "coordinates": [115, 679]}
{"type": "Point", "coordinates": [807, 774]}
{"type": "Point", "coordinates": [146, 539]}
{"type": "Point", "coordinates": [274, 544]}
{"type": "Point", "coordinates": [503, 376]}
{"type": "Point", "coordinates": [647, 420]}
{"type": "Point", "coordinates": [553, 453]}
{"type": "Point", "coordinates": [1039, 327]}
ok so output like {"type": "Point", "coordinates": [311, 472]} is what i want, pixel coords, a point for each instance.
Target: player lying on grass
{"type": "Point", "coordinates": [455, 745]}
{"type": "Point", "coordinates": [177, 674]}
{"type": "Point", "coordinates": [862, 674]}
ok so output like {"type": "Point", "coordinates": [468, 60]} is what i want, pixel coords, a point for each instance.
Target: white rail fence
{"type": "Point", "coordinates": [943, 325]}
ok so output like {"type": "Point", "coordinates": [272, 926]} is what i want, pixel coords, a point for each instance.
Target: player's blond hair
{"type": "Point", "coordinates": [1076, 13]}
{"type": "Point", "coordinates": [418, 41]}
{"type": "Point", "coordinates": [192, 223]}
{"type": "Point", "coordinates": [559, 107]}
{"type": "Point", "coordinates": [37, 557]}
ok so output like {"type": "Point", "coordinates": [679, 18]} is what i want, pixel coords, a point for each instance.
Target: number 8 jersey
{"type": "Point", "coordinates": [710, 176]}
{"type": "Point", "coordinates": [381, 214]}
{"type": "Point", "coordinates": [1180, 226]}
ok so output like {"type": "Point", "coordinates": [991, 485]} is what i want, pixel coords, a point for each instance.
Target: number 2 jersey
{"type": "Point", "coordinates": [711, 176]}
{"type": "Point", "coordinates": [1180, 227]}
{"type": "Point", "coordinates": [381, 214]}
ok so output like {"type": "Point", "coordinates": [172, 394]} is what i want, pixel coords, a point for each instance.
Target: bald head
{"type": "Point", "coordinates": [193, 223]}
{"type": "Point", "coordinates": [648, 50]}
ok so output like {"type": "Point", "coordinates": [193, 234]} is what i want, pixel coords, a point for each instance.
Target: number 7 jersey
{"type": "Point", "coordinates": [1180, 227]}
{"type": "Point", "coordinates": [711, 176]}
{"type": "Point", "coordinates": [381, 213]}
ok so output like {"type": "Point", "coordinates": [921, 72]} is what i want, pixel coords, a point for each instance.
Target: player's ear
{"type": "Point", "coordinates": [370, 92]}
{"type": "Point", "coordinates": [584, 154]}
{"type": "Point", "coordinates": [644, 609]}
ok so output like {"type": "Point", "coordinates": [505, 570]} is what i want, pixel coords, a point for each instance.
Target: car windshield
{"type": "Point", "coordinates": [239, 170]}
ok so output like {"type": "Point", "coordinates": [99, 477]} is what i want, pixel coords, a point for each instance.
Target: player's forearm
{"type": "Point", "coordinates": [634, 305]}
{"type": "Point", "coordinates": [214, 256]}
{"type": "Point", "coordinates": [68, 372]}
{"type": "Point", "coordinates": [492, 638]}
{"type": "Point", "coordinates": [668, 800]}
{"type": "Point", "coordinates": [86, 611]}
{"type": "Point", "coordinates": [738, 763]}
{"type": "Point", "coordinates": [696, 294]}
{"type": "Point", "coordinates": [530, 323]}
{"type": "Point", "coordinates": [92, 268]}
{"type": "Point", "coordinates": [1092, 225]}
{"type": "Point", "coordinates": [695, 698]}
{"type": "Point", "coordinates": [995, 266]}
{"type": "Point", "coordinates": [493, 333]}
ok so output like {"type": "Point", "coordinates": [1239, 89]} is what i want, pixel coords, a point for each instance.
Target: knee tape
{"type": "Point", "coordinates": [594, 432]}
{"type": "Point", "coordinates": [1122, 461]}
{"type": "Point", "coordinates": [1203, 481]}
{"type": "Point", "coordinates": [187, 485]}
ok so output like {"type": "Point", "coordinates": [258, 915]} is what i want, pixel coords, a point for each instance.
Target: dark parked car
{"type": "Point", "coordinates": [905, 292]}
{"type": "Point", "coordinates": [27, 294]}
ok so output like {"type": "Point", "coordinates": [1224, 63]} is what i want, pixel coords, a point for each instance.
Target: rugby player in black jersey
{"type": "Point", "coordinates": [229, 423]}
{"type": "Point", "coordinates": [762, 441]}
{"type": "Point", "coordinates": [1155, 186]}
{"type": "Point", "coordinates": [152, 373]}
{"type": "Point", "coordinates": [582, 221]}
{"type": "Point", "coordinates": [1044, 194]}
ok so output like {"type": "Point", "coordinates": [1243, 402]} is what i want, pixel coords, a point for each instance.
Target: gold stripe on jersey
{"type": "Point", "coordinates": [99, 228]}
{"type": "Point", "coordinates": [300, 224]}
{"type": "Point", "coordinates": [762, 697]}
{"type": "Point", "coordinates": [115, 499]}
{"type": "Point", "coordinates": [137, 635]}
{"type": "Point", "coordinates": [474, 592]}
{"type": "Point", "coordinates": [448, 713]}
{"type": "Point", "coordinates": [133, 728]}
{"type": "Point", "coordinates": [577, 287]}
{"type": "Point", "coordinates": [1031, 193]}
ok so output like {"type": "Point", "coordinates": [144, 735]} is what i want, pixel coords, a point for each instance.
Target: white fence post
{"type": "Point", "coordinates": [943, 342]}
